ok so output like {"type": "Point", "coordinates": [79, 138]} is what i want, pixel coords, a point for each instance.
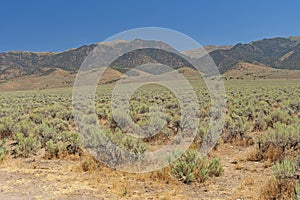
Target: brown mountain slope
{"type": "Point", "coordinates": [56, 79]}
{"type": "Point", "coordinates": [197, 53]}
{"type": "Point", "coordinates": [246, 70]}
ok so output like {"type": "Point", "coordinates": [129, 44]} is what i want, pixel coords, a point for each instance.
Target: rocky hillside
{"type": "Point", "coordinates": [31, 62]}
{"type": "Point", "coordinates": [198, 53]}
{"type": "Point", "coordinates": [281, 53]}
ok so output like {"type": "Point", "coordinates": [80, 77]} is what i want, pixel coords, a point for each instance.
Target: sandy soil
{"type": "Point", "coordinates": [38, 178]}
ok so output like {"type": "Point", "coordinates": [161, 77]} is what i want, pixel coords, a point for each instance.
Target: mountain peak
{"type": "Point", "coordinates": [283, 53]}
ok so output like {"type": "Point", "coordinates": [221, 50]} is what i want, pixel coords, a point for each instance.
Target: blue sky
{"type": "Point", "coordinates": [58, 25]}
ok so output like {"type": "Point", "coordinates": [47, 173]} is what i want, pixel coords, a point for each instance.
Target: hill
{"type": "Point", "coordinates": [280, 53]}
{"type": "Point", "coordinates": [37, 70]}
{"type": "Point", "coordinates": [198, 53]}
{"type": "Point", "coordinates": [244, 70]}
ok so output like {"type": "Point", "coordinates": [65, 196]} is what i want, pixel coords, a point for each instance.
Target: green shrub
{"type": "Point", "coordinates": [203, 173]}
{"type": "Point", "coordinates": [36, 118]}
{"type": "Point", "coordinates": [190, 167]}
{"type": "Point", "coordinates": [281, 116]}
{"type": "Point", "coordinates": [215, 167]}
{"type": "Point", "coordinates": [121, 120]}
{"type": "Point", "coordinates": [44, 133]}
{"type": "Point", "coordinates": [65, 115]}
{"type": "Point", "coordinates": [282, 185]}
{"type": "Point", "coordinates": [58, 124]}
{"type": "Point", "coordinates": [6, 127]}
{"type": "Point", "coordinates": [261, 123]}
{"type": "Point", "coordinates": [297, 161]}
{"type": "Point", "coordinates": [97, 137]}
{"type": "Point", "coordinates": [282, 136]}
{"type": "Point", "coordinates": [208, 168]}
{"type": "Point", "coordinates": [68, 143]}
{"type": "Point", "coordinates": [184, 168]}
{"type": "Point", "coordinates": [284, 169]}
{"type": "Point", "coordinates": [235, 128]}
{"type": "Point", "coordinates": [133, 145]}
{"type": "Point", "coordinates": [26, 146]}
{"type": "Point", "coordinates": [297, 191]}
{"type": "Point", "coordinates": [55, 150]}
{"type": "Point", "coordinates": [25, 127]}
{"type": "Point", "coordinates": [3, 150]}
{"type": "Point", "coordinates": [102, 112]}
{"type": "Point", "coordinates": [72, 141]}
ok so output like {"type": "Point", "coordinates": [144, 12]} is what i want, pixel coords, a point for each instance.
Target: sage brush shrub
{"type": "Point", "coordinates": [281, 116]}
{"type": "Point", "coordinates": [26, 146]}
{"type": "Point", "coordinates": [283, 185]}
{"type": "Point", "coordinates": [3, 150]}
{"type": "Point", "coordinates": [58, 124]}
{"type": "Point", "coordinates": [184, 168]}
{"type": "Point", "coordinates": [6, 127]}
{"type": "Point", "coordinates": [45, 132]}
{"type": "Point", "coordinates": [297, 190]}
{"type": "Point", "coordinates": [235, 128]}
{"type": "Point", "coordinates": [55, 150]}
{"type": "Point", "coordinates": [297, 161]}
{"type": "Point", "coordinates": [215, 167]}
{"type": "Point", "coordinates": [282, 136]}
{"type": "Point", "coordinates": [261, 123]}
{"type": "Point", "coordinates": [203, 174]}
{"type": "Point", "coordinates": [68, 143]}
{"type": "Point", "coordinates": [73, 142]}
{"type": "Point", "coordinates": [36, 118]}
{"type": "Point", "coordinates": [25, 127]}
{"type": "Point", "coordinates": [135, 146]}
{"type": "Point", "coordinates": [189, 167]}
{"type": "Point", "coordinates": [284, 169]}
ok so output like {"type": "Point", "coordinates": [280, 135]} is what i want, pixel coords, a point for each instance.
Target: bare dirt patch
{"type": "Point", "coordinates": [38, 178]}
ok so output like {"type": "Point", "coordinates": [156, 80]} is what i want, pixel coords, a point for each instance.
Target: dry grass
{"type": "Point", "coordinates": [250, 71]}
{"type": "Point", "coordinates": [278, 189]}
{"type": "Point", "coordinates": [254, 155]}
{"type": "Point", "coordinates": [273, 154]}
{"type": "Point", "coordinates": [76, 178]}
{"type": "Point", "coordinates": [57, 79]}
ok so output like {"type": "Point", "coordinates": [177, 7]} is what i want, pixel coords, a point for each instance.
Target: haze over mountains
{"type": "Point", "coordinates": [276, 53]}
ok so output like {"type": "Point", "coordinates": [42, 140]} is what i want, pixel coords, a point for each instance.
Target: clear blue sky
{"type": "Point", "coordinates": [56, 25]}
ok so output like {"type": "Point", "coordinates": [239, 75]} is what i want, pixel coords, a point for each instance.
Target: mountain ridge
{"type": "Point", "coordinates": [278, 53]}
{"type": "Point", "coordinates": [267, 52]}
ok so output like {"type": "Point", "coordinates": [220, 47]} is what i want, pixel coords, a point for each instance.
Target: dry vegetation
{"type": "Point", "coordinates": [257, 156]}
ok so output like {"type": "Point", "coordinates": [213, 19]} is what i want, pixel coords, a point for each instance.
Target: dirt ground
{"type": "Point", "coordinates": [38, 178]}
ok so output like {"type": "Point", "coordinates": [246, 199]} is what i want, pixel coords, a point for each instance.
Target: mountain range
{"type": "Point", "coordinates": [273, 53]}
